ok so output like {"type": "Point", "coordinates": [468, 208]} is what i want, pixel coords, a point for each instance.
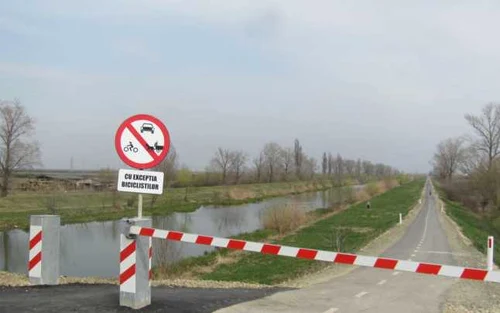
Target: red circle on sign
{"type": "Point", "coordinates": [157, 158]}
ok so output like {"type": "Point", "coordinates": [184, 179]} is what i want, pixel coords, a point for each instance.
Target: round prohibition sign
{"type": "Point", "coordinates": [142, 141]}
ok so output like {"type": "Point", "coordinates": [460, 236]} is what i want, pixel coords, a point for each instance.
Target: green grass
{"type": "Point", "coordinates": [474, 226]}
{"type": "Point", "coordinates": [359, 224]}
{"type": "Point", "coordinates": [76, 207]}
{"type": "Point", "coordinates": [208, 259]}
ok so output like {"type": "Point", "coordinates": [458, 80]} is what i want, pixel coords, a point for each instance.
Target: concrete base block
{"type": "Point", "coordinates": [135, 289]}
{"type": "Point", "coordinates": [43, 264]}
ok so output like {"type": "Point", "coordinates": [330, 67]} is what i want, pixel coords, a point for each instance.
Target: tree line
{"type": "Point", "coordinates": [469, 165]}
{"type": "Point", "coordinates": [274, 163]}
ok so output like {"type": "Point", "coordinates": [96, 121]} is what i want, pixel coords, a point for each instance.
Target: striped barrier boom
{"type": "Point", "coordinates": [320, 255]}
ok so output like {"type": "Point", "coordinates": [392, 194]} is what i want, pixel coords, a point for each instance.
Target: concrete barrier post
{"type": "Point", "coordinates": [44, 239]}
{"type": "Point", "coordinates": [135, 265]}
{"type": "Point", "coordinates": [491, 245]}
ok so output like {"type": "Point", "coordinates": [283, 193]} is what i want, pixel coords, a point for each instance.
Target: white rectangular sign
{"type": "Point", "coordinates": [140, 181]}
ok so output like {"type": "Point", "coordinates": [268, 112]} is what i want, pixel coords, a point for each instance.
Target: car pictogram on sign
{"type": "Point", "coordinates": [147, 127]}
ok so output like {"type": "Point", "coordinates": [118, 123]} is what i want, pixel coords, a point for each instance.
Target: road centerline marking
{"type": "Point", "coordinates": [332, 310]}
{"type": "Point", "coordinates": [382, 282]}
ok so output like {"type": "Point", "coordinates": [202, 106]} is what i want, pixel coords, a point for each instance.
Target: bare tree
{"type": "Point", "coordinates": [272, 154]}
{"type": "Point", "coordinates": [258, 163]}
{"type": "Point", "coordinates": [368, 168]}
{"type": "Point", "coordinates": [472, 161]}
{"type": "Point", "coordinates": [222, 162]}
{"type": "Point", "coordinates": [299, 157]}
{"type": "Point", "coordinates": [359, 169]}
{"type": "Point", "coordinates": [17, 149]}
{"type": "Point", "coordinates": [487, 127]}
{"type": "Point", "coordinates": [324, 164]}
{"type": "Point", "coordinates": [350, 166]}
{"type": "Point", "coordinates": [288, 161]}
{"type": "Point", "coordinates": [379, 170]}
{"type": "Point", "coordinates": [450, 154]}
{"type": "Point", "coordinates": [169, 166]}
{"type": "Point", "coordinates": [310, 166]}
{"type": "Point", "coordinates": [330, 164]}
{"type": "Point", "coordinates": [339, 169]}
{"type": "Point", "coordinates": [238, 159]}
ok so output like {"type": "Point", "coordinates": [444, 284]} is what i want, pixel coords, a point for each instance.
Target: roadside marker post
{"type": "Point", "coordinates": [491, 245]}
{"type": "Point", "coordinates": [44, 239]}
{"type": "Point", "coordinates": [400, 218]}
{"type": "Point", "coordinates": [135, 265]}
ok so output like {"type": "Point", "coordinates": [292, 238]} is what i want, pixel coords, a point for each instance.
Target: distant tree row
{"type": "Point", "coordinates": [273, 164]}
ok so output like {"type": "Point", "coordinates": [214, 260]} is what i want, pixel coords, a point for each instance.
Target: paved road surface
{"type": "Point", "coordinates": [377, 290]}
{"type": "Point", "coordinates": [104, 298]}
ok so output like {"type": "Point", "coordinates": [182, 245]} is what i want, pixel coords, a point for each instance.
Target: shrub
{"type": "Point", "coordinates": [284, 218]}
{"type": "Point", "coordinates": [349, 195]}
{"type": "Point", "coordinates": [372, 189]}
{"type": "Point", "coordinates": [362, 196]}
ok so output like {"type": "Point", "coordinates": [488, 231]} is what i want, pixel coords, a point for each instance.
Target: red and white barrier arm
{"type": "Point", "coordinates": [319, 255]}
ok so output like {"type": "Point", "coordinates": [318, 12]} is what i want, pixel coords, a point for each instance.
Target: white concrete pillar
{"type": "Point", "coordinates": [491, 245]}
{"type": "Point", "coordinates": [135, 265]}
{"type": "Point", "coordinates": [44, 240]}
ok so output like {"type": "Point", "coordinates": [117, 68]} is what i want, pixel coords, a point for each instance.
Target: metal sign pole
{"type": "Point", "coordinates": [139, 206]}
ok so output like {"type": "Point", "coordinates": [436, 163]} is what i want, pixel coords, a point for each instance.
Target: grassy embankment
{"type": "Point", "coordinates": [77, 207]}
{"type": "Point", "coordinates": [474, 226]}
{"type": "Point", "coordinates": [354, 227]}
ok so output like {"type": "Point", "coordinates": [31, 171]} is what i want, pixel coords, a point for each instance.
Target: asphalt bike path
{"type": "Point", "coordinates": [377, 290]}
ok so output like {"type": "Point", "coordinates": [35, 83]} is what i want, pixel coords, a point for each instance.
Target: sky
{"type": "Point", "coordinates": [379, 80]}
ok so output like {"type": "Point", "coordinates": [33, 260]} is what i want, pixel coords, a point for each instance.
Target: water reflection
{"type": "Point", "coordinates": [91, 249]}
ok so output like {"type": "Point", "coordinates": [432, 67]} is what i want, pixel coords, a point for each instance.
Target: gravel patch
{"type": "Point", "coordinates": [17, 280]}
{"type": "Point", "coordinates": [468, 296]}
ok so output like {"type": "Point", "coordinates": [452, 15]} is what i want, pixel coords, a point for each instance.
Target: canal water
{"type": "Point", "coordinates": [92, 249]}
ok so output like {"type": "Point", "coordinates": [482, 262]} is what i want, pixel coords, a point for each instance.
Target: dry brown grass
{"type": "Point", "coordinates": [362, 195]}
{"type": "Point", "coordinates": [372, 189]}
{"type": "Point", "coordinates": [382, 187]}
{"type": "Point", "coordinates": [241, 194]}
{"type": "Point", "coordinates": [390, 183]}
{"type": "Point", "coordinates": [284, 218]}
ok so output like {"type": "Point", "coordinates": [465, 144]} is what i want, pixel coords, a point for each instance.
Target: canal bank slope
{"type": "Point", "coordinates": [80, 207]}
